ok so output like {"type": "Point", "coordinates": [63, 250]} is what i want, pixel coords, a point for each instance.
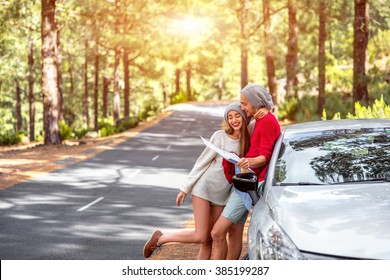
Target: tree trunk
{"type": "Point", "coordinates": [329, 35]}
{"type": "Point", "coordinates": [96, 86]}
{"type": "Point", "coordinates": [18, 107]}
{"type": "Point", "coordinates": [188, 81]}
{"type": "Point", "coordinates": [70, 114]}
{"type": "Point", "coordinates": [244, 65]}
{"type": "Point", "coordinates": [71, 82]}
{"type": "Point", "coordinates": [269, 56]}
{"type": "Point", "coordinates": [49, 73]}
{"type": "Point", "coordinates": [220, 88]}
{"type": "Point", "coordinates": [360, 42]}
{"type": "Point", "coordinates": [127, 82]}
{"type": "Point", "coordinates": [31, 97]}
{"type": "Point", "coordinates": [86, 93]}
{"type": "Point", "coordinates": [116, 71]}
{"type": "Point", "coordinates": [177, 81]}
{"type": "Point", "coordinates": [59, 76]}
{"type": "Point", "coordinates": [106, 83]}
{"type": "Point", "coordinates": [117, 100]}
{"type": "Point", "coordinates": [165, 95]}
{"type": "Point", "coordinates": [321, 57]}
{"type": "Point", "coordinates": [243, 18]}
{"type": "Point", "coordinates": [292, 50]}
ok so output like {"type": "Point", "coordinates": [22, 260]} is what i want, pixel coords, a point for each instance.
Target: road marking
{"type": "Point", "coordinates": [89, 205]}
{"type": "Point", "coordinates": [169, 147]}
{"type": "Point", "coordinates": [156, 157]}
{"type": "Point", "coordinates": [135, 173]}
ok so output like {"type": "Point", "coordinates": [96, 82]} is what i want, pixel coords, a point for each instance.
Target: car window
{"type": "Point", "coordinates": [334, 156]}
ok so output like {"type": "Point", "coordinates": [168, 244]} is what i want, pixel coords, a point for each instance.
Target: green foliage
{"type": "Point", "coordinates": [127, 123]}
{"type": "Point", "coordinates": [337, 116]}
{"type": "Point", "coordinates": [106, 131]}
{"type": "Point", "coordinates": [378, 46]}
{"type": "Point", "coordinates": [80, 132]}
{"type": "Point", "coordinates": [299, 109]}
{"type": "Point", "coordinates": [378, 86]}
{"type": "Point", "coordinates": [379, 110]}
{"type": "Point", "coordinates": [288, 109]}
{"type": "Point", "coordinates": [149, 111]}
{"type": "Point", "coordinates": [307, 108]}
{"type": "Point", "coordinates": [11, 138]}
{"type": "Point", "coordinates": [339, 75]}
{"type": "Point", "coordinates": [338, 102]}
{"type": "Point", "coordinates": [6, 119]}
{"type": "Point", "coordinates": [106, 128]}
{"type": "Point", "coordinates": [39, 138]}
{"type": "Point", "coordinates": [65, 131]}
{"type": "Point", "coordinates": [323, 118]}
{"type": "Point", "coordinates": [21, 135]}
{"type": "Point", "coordinates": [181, 97]}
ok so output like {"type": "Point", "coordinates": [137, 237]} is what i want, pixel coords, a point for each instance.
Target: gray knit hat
{"type": "Point", "coordinates": [236, 106]}
{"type": "Point", "coordinates": [258, 96]}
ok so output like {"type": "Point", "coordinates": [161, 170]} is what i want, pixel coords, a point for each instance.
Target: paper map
{"type": "Point", "coordinates": [231, 157]}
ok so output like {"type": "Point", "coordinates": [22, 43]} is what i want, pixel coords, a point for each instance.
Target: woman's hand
{"type": "Point", "coordinates": [181, 197]}
{"type": "Point", "coordinates": [261, 113]}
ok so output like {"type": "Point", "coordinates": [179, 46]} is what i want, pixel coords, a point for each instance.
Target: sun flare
{"type": "Point", "coordinates": [191, 26]}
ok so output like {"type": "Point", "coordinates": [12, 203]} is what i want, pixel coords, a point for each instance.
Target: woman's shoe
{"type": "Point", "coordinates": [152, 245]}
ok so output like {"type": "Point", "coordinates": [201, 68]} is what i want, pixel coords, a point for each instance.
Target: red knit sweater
{"type": "Point", "coordinates": [265, 133]}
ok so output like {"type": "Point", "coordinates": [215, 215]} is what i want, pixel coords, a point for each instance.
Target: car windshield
{"type": "Point", "coordinates": [334, 156]}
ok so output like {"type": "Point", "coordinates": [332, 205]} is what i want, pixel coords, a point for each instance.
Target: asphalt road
{"type": "Point", "coordinates": [107, 206]}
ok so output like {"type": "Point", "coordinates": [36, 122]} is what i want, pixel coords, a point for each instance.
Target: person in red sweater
{"type": "Point", "coordinates": [253, 98]}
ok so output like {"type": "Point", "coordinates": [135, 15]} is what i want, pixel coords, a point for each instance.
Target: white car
{"type": "Point", "coordinates": [327, 193]}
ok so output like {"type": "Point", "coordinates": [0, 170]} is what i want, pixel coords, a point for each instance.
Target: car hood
{"type": "Point", "coordinates": [351, 221]}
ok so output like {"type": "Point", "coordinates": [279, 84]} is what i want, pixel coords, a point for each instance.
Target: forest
{"type": "Point", "coordinates": [68, 67]}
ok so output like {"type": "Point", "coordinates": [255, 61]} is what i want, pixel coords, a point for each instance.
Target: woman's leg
{"type": "Point", "coordinates": [201, 208]}
{"type": "Point", "coordinates": [206, 247]}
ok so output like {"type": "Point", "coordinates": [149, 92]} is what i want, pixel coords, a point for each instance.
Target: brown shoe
{"type": "Point", "coordinates": [151, 245]}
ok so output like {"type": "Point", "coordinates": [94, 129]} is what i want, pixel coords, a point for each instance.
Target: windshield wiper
{"type": "Point", "coordinates": [387, 179]}
{"type": "Point", "coordinates": [300, 184]}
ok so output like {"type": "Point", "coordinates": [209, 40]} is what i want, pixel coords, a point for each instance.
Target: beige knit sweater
{"type": "Point", "coordinates": [207, 179]}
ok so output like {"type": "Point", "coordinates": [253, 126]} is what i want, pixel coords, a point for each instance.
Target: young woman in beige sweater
{"type": "Point", "coordinates": [208, 185]}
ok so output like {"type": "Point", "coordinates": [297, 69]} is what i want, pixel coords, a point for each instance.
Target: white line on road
{"type": "Point", "coordinates": [89, 205]}
{"type": "Point", "coordinates": [156, 157]}
{"type": "Point", "coordinates": [135, 173]}
{"type": "Point", "coordinates": [169, 147]}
